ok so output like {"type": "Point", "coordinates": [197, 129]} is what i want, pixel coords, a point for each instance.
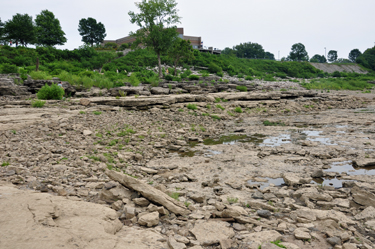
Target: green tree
{"type": "Point", "coordinates": [354, 54]}
{"type": "Point", "coordinates": [48, 30]}
{"type": "Point", "coordinates": [367, 59]}
{"type": "Point", "coordinates": [1, 30]}
{"type": "Point", "coordinates": [318, 59]}
{"type": "Point", "coordinates": [228, 51]}
{"type": "Point", "coordinates": [20, 29]}
{"type": "Point", "coordinates": [269, 56]}
{"type": "Point", "coordinates": [91, 31]}
{"type": "Point", "coordinates": [298, 53]}
{"type": "Point", "coordinates": [249, 50]}
{"type": "Point", "coordinates": [155, 20]}
{"type": "Point", "coordinates": [332, 56]}
{"type": "Point", "coordinates": [181, 49]}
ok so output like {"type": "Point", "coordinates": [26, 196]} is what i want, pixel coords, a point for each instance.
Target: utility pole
{"type": "Point", "coordinates": [325, 49]}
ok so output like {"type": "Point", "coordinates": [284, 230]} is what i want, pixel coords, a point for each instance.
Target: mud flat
{"type": "Point", "coordinates": [200, 171]}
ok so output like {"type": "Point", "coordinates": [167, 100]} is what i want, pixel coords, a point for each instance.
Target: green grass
{"type": "Point", "coordinates": [37, 103]}
{"type": "Point", "coordinates": [192, 106]}
{"type": "Point", "coordinates": [242, 88]}
{"type": "Point", "coordinates": [238, 109]}
{"type": "Point", "coordinates": [5, 164]}
{"type": "Point", "coordinates": [174, 195]}
{"type": "Point", "coordinates": [269, 123]}
{"type": "Point", "coordinates": [347, 83]}
{"type": "Point", "coordinates": [215, 117]}
{"type": "Point", "coordinates": [82, 112]}
{"type": "Point", "coordinates": [277, 242]}
{"type": "Point", "coordinates": [232, 200]}
{"type": "Point", "coordinates": [220, 107]}
{"type": "Point", "coordinates": [97, 112]}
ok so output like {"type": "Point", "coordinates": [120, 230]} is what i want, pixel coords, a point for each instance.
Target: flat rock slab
{"type": "Point", "coordinates": [17, 118]}
{"type": "Point", "coordinates": [36, 220]}
{"type": "Point", "coordinates": [212, 231]}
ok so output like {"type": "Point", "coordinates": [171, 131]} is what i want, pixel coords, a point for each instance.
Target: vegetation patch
{"type": "Point", "coordinates": [269, 123]}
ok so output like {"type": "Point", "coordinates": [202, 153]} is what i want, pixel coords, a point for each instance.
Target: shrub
{"type": "Point", "coordinates": [40, 75]}
{"type": "Point", "coordinates": [220, 107]}
{"type": "Point", "coordinates": [336, 74]}
{"type": "Point", "coordinates": [8, 68]}
{"type": "Point", "coordinates": [240, 76]}
{"type": "Point", "coordinates": [168, 77]}
{"type": "Point", "coordinates": [242, 88]}
{"type": "Point", "coordinates": [110, 45]}
{"type": "Point", "coordinates": [220, 74]}
{"type": "Point", "coordinates": [249, 77]}
{"type": "Point", "coordinates": [268, 123]}
{"type": "Point", "coordinates": [193, 77]}
{"type": "Point", "coordinates": [123, 47]}
{"type": "Point", "coordinates": [97, 112]}
{"type": "Point", "coordinates": [213, 68]}
{"type": "Point", "coordinates": [133, 80]}
{"type": "Point", "coordinates": [37, 103]}
{"type": "Point", "coordinates": [51, 92]}
{"type": "Point", "coordinates": [192, 106]}
{"type": "Point", "coordinates": [238, 109]}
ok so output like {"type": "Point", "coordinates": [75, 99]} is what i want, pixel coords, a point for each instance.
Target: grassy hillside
{"type": "Point", "coordinates": [77, 67]}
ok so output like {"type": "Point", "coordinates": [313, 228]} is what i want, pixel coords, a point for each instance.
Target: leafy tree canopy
{"type": "Point", "coordinates": [318, 59]}
{"type": "Point", "coordinates": [332, 56]}
{"type": "Point", "coordinates": [91, 31]}
{"type": "Point", "coordinates": [269, 56]}
{"type": "Point", "coordinates": [367, 59]}
{"type": "Point", "coordinates": [155, 20]}
{"type": "Point", "coordinates": [353, 55]}
{"type": "Point", "coordinates": [298, 53]}
{"type": "Point", "coordinates": [249, 50]}
{"type": "Point", "coordinates": [20, 29]}
{"type": "Point", "coordinates": [228, 51]}
{"type": "Point", "coordinates": [181, 49]}
{"type": "Point", "coordinates": [48, 30]}
{"type": "Point", "coordinates": [1, 29]}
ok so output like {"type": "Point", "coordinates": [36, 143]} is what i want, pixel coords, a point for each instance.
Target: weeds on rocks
{"type": "Point", "coordinates": [174, 195]}
{"type": "Point", "coordinates": [232, 200]}
{"type": "Point", "coordinates": [220, 107]}
{"type": "Point", "coordinates": [37, 103]}
{"type": "Point", "coordinates": [269, 123]}
{"type": "Point", "coordinates": [82, 112]}
{"type": "Point", "coordinates": [4, 164]}
{"type": "Point", "coordinates": [192, 106]}
{"type": "Point", "coordinates": [242, 88]}
{"type": "Point", "coordinates": [51, 92]}
{"type": "Point", "coordinates": [215, 117]}
{"type": "Point", "coordinates": [97, 112]}
{"type": "Point", "coordinates": [238, 109]}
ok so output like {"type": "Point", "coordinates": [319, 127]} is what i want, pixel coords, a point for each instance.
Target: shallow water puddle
{"type": "Point", "coordinates": [277, 182]}
{"type": "Point", "coordinates": [233, 139]}
{"type": "Point", "coordinates": [277, 141]}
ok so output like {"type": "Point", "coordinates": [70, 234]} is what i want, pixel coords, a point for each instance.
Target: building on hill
{"type": "Point", "coordinates": [195, 41]}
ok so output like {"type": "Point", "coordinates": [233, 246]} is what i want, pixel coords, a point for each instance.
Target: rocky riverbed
{"type": "Point", "coordinates": [222, 170]}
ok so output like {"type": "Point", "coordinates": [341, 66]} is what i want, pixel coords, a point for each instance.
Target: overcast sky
{"type": "Point", "coordinates": [340, 25]}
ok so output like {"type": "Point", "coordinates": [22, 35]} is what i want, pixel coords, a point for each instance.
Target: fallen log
{"type": "Point", "coordinates": [149, 192]}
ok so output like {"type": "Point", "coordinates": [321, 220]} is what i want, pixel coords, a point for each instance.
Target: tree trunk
{"type": "Point", "coordinates": [175, 67]}
{"type": "Point", "coordinates": [159, 65]}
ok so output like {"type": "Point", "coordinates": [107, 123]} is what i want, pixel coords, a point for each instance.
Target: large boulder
{"type": "Point", "coordinates": [8, 87]}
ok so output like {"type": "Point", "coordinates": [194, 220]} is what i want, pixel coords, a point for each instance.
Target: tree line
{"type": "Point", "coordinates": [46, 30]}
{"type": "Point", "coordinates": [298, 52]}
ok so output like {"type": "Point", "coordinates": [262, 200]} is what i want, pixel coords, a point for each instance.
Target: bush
{"type": "Point", "coordinates": [37, 103]}
{"type": "Point", "coordinates": [123, 47]}
{"type": "Point", "coordinates": [238, 109]}
{"type": "Point", "coordinates": [192, 106]}
{"type": "Point", "coordinates": [213, 68]}
{"type": "Point", "coordinates": [51, 92]}
{"type": "Point", "coordinates": [220, 74]}
{"type": "Point", "coordinates": [110, 45]}
{"type": "Point", "coordinates": [242, 88]}
{"type": "Point", "coordinates": [336, 74]}
{"type": "Point", "coordinates": [40, 75]}
{"type": "Point", "coordinates": [168, 77]}
{"type": "Point", "coordinates": [8, 68]}
{"type": "Point", "coordinates": [194, 77]}
{"type": "Point", "coordinates": [249, 77]}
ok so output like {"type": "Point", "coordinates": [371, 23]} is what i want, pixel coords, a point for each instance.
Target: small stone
{"type": "Point", "coordinates": [87, 132]}
{"type": "Point", "coordinates": [264, 213]}
{"type": "Point", "coordinates": [334, 241]}
{"type": "Point", "coordinates": [257, 195]}
{"type": "Point", "coordinates": [143, 202]}
{"type": "Point", "coordinates": [84, 102]}
{"type": "Point", "coordinates": [302, 233]}
{"type": "Point", "coordinates": [173, 244]}
{"type": "Point", "coordinates": [149, 220]}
